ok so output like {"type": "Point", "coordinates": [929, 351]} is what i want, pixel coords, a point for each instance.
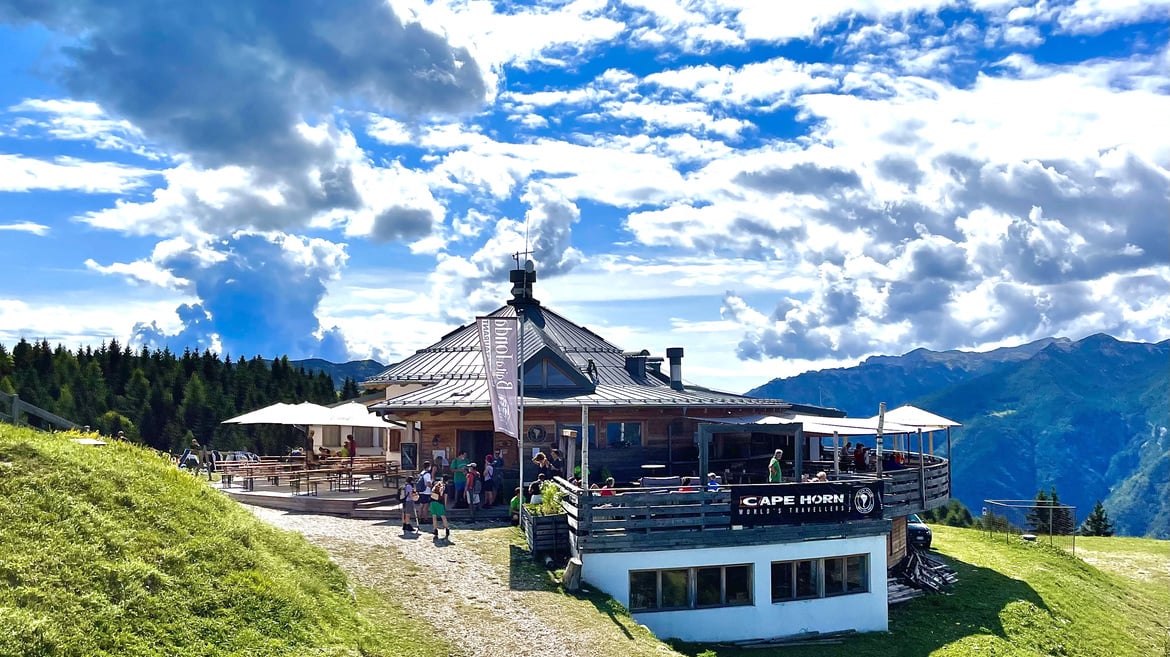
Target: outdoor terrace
{"type": "Point", "coordinates": [649, 518]}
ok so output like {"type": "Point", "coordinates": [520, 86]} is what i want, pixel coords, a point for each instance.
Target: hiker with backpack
{"type": "Point", "coordinates": [439, 510]}
{"type": "Point", "coordinates": [474, 490]}
{"type": "Point", "coordinates": [409, 496]}
{"type": "Point", "coordinates": [424, 485]}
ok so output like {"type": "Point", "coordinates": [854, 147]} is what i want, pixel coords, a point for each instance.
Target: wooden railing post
{"type": "Point", "coordinates": [921, 470]}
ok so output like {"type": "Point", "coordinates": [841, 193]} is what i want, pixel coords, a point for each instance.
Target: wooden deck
{"type": "Point", "coordinates": [639, 519]}
{"type": "Point", "coordinates": [336, 487]}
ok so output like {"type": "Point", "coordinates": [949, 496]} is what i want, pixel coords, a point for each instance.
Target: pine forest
{"type": "Point", "coordinates": [161, 399]}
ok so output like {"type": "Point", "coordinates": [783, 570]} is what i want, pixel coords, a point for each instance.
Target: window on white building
{"type": "Point", "coordinates": [819, 578]}
{"type": "Point", "coordinates": [364, 436]}
{"type": "Point", "coordinates": [691, 588]}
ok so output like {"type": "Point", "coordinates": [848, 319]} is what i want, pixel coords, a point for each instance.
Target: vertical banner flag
{"type": "Point", "coordinates": [497, 343]}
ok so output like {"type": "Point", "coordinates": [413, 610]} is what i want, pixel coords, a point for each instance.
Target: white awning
{"type": "Point", "coordinates": [913, 416]}
{"type": "Point", "coordinates": [354, 414]}
{"type": "Point", "coordinates": [826, 426]}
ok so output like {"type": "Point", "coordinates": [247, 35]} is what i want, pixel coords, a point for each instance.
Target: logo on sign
{"type": "Point", "coordinates": [864, 500]}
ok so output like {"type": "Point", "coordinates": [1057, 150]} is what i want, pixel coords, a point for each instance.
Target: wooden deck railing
{"type": "Point", "coordinates": [638, 519]}
{"type": "Point", "coordinates": [916, 489]}
{"type": "Point", "coordinates": [17, 408]}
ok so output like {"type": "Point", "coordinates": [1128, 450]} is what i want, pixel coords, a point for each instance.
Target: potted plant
{"type": "Point", "coordinates": [546, 525]}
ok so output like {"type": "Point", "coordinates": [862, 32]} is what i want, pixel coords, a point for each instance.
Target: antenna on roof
{"type": "Point", "coordinates": [527, 220]}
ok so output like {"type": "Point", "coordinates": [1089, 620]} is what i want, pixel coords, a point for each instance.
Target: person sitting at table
{"type": "Point", "coordinates": [607, 489]}
{"type": "Point", "coordinates": [712, 482]}
{"type": "Point", "coordinates": [686, 486]}
{"type": "Point", "coordinates": [324, 452]}
{"type": "Point", "coordinates": [859, 456]}
{"type": "Point", "coordinates": [822, 476]}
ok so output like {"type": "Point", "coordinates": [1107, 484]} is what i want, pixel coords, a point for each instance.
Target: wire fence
{"type": "Point", "coordinates": [1031, 520]}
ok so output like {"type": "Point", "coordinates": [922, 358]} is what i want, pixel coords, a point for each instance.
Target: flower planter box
{"type": "Point", "coordinates": [545, 533]}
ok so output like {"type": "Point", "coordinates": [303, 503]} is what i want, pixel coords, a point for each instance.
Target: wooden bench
{"type": "Point", "coordinates": [309, 483]}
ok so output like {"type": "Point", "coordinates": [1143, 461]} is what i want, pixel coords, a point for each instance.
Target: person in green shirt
{"type": "Point", "coordinates": [774, 467]}
{"type": "Point", "coordinates": [459, 468]}
{"type": "Point", "coordinates": [514, 508]}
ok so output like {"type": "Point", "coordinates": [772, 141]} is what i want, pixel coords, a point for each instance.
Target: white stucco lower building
{"type": "Point", "coordinates": [750, 591]}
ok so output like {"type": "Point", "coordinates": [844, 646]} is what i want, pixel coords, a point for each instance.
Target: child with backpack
{"type": "Point", "coordinates": [439, 510]}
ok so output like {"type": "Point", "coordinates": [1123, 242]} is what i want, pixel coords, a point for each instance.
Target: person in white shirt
{"type": "Point", "coordinates": [426, 480]}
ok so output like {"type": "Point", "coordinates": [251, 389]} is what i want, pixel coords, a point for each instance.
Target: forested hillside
{"type": "Point", "coordinates": [159, 398]}
{"type": "Point", "coordinates": [1089, 417]}
{"type": "Point", "coordinates": [344, 374]}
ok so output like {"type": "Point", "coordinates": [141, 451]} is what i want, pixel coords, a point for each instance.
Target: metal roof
{"type": "Point", "coordinates": [454, 368]}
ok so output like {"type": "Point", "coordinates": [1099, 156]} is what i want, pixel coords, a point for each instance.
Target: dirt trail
{"type": "Point", "coordinates": [495, 615]}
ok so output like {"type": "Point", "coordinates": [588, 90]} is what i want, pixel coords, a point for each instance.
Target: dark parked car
{"type": "Point", "coordinates": [917, 533]}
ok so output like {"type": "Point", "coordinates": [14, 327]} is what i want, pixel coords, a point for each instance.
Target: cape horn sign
{"type": "Point", "coordinates": [780, 504]}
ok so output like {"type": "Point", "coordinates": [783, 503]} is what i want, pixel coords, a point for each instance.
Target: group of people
{"type": "Point", "coordinates": [550, 465]}
{"type": "Point", "coordinates": [425, 499]}
{"type": "Point", "coordinates": [348, 449]}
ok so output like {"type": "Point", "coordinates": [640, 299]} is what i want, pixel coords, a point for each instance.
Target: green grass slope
{"type": "Point", "coordinates": [113, 551]}
{"type": "Point", "coordinates": [1022, 600]}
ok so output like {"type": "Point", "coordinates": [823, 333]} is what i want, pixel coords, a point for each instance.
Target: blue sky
{"type": "Point", "coordinates": [774, 186]}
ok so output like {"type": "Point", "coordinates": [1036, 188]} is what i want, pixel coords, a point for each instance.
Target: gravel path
{"type": "Point", "coordinates": [496, 615]}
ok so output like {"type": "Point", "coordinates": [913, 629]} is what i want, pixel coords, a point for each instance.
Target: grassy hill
{"type": "Point", "coordinates": [1025, 600]}
{"type": "Point", "coordinates": [113, 551]}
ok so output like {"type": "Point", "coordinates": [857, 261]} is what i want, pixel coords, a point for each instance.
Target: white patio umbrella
{"type": "Point", "coordinates": [353, 414]}
{"type": "Point", "coordinates": [913, 416]}
{"type": "Point", "coordinates": [268, 415]}
{"type": "Point", "coordinates": [282, 413]}
{"type": "Point", "coordinates": [307, 413]}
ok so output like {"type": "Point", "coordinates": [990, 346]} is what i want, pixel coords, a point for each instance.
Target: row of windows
{"type": "Point", "coordinates": [686, 588]}
{"type": "Point", "coordinates": [617, 434]}
{"type": "Point", "coordinates": [363, 436]}
{"type": "Point", "coordinates": [729, 586]}
{"type": "Point", "coordinates": [819, 578]}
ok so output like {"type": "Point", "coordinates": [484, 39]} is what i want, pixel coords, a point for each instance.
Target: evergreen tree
{"type": "Point", "coordinates": [349, 390]}
{"type": "Point", "coordinates": [1062, 516]}
{"type": "Point", "coordinates": [1097, 524]}
{"type": "Point", "coordinates": [6, 365]}
{"type": "Point", "coordinates": [1038, 518]}
{"type": "Point", "coordinates": [66, 407]}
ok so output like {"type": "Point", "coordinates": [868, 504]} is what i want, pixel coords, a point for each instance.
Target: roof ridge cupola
{"type": "Point", "coordinates": [522, 279]}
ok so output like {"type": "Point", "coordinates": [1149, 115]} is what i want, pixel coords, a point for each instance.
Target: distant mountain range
{"type": "Point", "coordinates": [358, 370]}
{"type": "Point", "coordinates": [1089, 417]}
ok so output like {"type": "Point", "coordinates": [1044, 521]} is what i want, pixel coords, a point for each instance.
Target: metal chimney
{"type": "Point", "coordinates": [674, 355]}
